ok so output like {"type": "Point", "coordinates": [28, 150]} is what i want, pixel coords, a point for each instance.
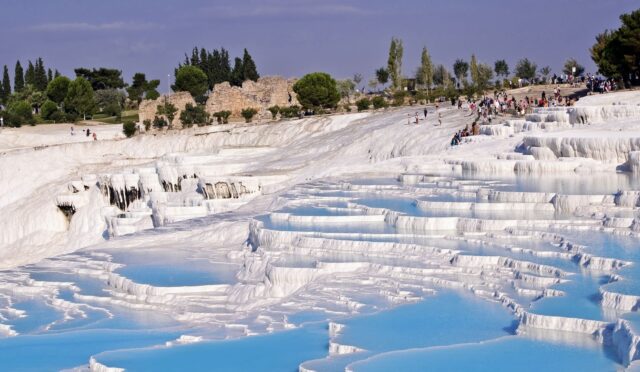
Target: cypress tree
{"type": "Point", "coordinates": [18, 78]}
{"type": "Point", "coordinates": [40, 76]}
{"type": "Point", "coordinates": [56, 74]}
{"type": "Point", "coordinates": [249, 70]}
{"type": "Point", "coordinates": [6, 84]}
{"type": "Point", "coordinates": [30, 75]}
{"type": "Point", "coordinates": [49, 76]}
{"type": "Point", "coordinates": [237, 75]}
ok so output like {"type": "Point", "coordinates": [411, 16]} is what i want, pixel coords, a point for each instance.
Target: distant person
{"type": "Point", "coordinates": [88, 132]}
{"type": "Point", "coordinates": [425, 113]}
{"type": "Point", "coordinates": [72, 132]}
{"type": "Point", "coordinates": [408, 119]}
{"type": "Point", "coordinates": [417, 118]}
{"type": "Point", "coordinates": [95, 137]}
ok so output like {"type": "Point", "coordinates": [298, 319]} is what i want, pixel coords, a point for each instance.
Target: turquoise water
{"type": "Point", "coordinates": [280, 351]}
{"type": "Point", "coordinates": [513, 353]}
{"type": "Point", "coordinates": [189, 273]}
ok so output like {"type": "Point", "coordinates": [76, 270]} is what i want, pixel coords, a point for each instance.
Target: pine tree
{"type": "Point", "coordinates": [49, 76]}
{"type": "Point", "coordinates": [5, 87]}
{"type": "Point", "coordinates": [56, 74]}
{"type": "Point", "coordinates": [18, 78]}
{"type": "Point", "coordinates": [30, 75]}
{"type": "Point", "coordinates": [249, 70]}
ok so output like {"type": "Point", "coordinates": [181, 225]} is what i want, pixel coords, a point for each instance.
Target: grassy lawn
{"type": "Point", "coordinates": [126, 115]}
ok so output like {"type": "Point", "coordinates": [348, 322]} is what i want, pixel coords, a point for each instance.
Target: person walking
{"type": "Point", "coordinates": [425, 113]}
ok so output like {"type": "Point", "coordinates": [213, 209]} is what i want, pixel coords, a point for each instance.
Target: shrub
{"type": "Point", "coordinates": [194, 115]}
{"type": "Point", "coordinates": [222, 116]}
{"type": "Point", "coordinates": [398, 98]}
{"type": "Point", "coordinates": [290, 112]}
{"type": "Point", "coordinates": [147, 125]}
{"type": "Point", "coordinates": [248, 114]}
{"type": "Point", "coordinates": [11, 120]}
{"type": "Point", "coordinates": [191, 79]}
{"type": "Point", "coordinates": [274, 111]}
{"type": "Point", "coordinates": [129, 128]}
{"type": "Point", "coordinates": [57, 116]}
{"type": "Point", "coordinates": [159, 122]}
{"type": "Point", "coordinates": [363, 104]}
{"type": "Point", "coordinates": [347, 107]}
{"type": "Point", "coordinates": [22, 110]}
{"type": "Point", "coordinates": [47, 109]}
{"type": "Point", "coordinates": [379, 102]}
{"type": "Point", "coordinates": [317, 90]}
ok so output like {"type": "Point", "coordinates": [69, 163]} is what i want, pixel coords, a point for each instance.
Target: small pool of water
{"type": "Point", "coordinates": [186, 273]}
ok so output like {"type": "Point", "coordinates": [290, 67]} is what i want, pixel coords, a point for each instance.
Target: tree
{"type": "Point", "coordinates": [249, 69]}
{"type": "Point", "coordinates": [473, 66]}
{"type": "Point", "coordinates": [545, 72]}
{"type": "Point", "coordinates": [138, 86]}
{"type": "Point", "coordinates": [18, 78]}
{"type": "Point", "coordinates": [191, 79]}
{"type": "Point", "coordinates": [317, 90]}
{"type": "Point", "coordinates": [379, 102]}
{"type": "Point", "coordinates": [169, 110]}
{"type": "Point", "coordinates": [102, 78]}
{"type": "Point", "coordinates": [425, 71]}
{"type": "Point", "coordinates": [49, 76]}
{"type": "Point", "coordinates": [248, 114]}
{"type": "Point", "coordinates": [109, 101]}
{"type": "Point", "coordinates": [151, 90]}
{"type": "Point", "coordinates": [382, 75]}
{"type": "Point", "coordinates": [48, 109]}
{"type": "Point", "coordinates": [57, 89]}
{"type": "Point", "coordinates": [394, 63]}
{"type": "Point", "coordinates": [237, 74]}
{"type": "Point", "coordinates": [526, 69]}
{"type": "Point", "coordinates": [617, 52]}
{"type": "Point", "coordinates": [441, 76]}
{"type": "Point", "coordinates": [570, 64]}
{"type": "Point", "coordinates": [485, 74]}
{"type": "Point", "coordinates": [460, 69]}
{"type": "Point", "coordinates": [5, 89]}
{"type": "Point", "coordinates": [40, 76]}
{"type": "Point", "coordinates": [345, 87]}
{"type": "Point", "coordinates": [357, 79]}
{"type": "Point", "coordinates": [30, 75]}
{"type": "Point", "coordinates": [79, 97]}
{"type": "Point", "coordinates": [501, 68]}
{"type": "Point", "coordinates": [22, 110]}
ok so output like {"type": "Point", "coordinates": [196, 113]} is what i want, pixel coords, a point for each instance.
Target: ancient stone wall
{"type": "Point", "coordinates": [148, 108]}
{"type": "Point", "coordinates": [260, 95]}
{"type": "Point", "coordinates": [266, 92]}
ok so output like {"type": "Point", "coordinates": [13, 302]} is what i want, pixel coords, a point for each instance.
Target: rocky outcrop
{"type": "Point", "coordinates": [260, 95]}
{"type": "Point", "coordinates": [148, 108]}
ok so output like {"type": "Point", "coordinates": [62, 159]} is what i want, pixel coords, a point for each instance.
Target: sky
{"type": "Point", "coordinates": [294, 37]}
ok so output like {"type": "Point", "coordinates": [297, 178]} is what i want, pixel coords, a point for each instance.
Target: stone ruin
{"type": "Point", "coordinates": [266, 92]}
{"type": "Point", "coordinates": [148, 108]}
{"type": "Point", "coordinates": [260, 95]}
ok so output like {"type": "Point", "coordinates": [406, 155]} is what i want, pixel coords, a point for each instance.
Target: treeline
{"type": "Point", "coordinates": [216, 65]}
{"type": "Point", "coordinates": [41, 95]}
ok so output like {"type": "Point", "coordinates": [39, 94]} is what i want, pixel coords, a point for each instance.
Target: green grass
{"type": "Point", "coordinates": [126, 115]}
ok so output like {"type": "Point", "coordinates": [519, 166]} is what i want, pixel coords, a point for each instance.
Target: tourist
{"type": "Point", "coordinates": [425, 113]}
{"type": "Point", "coordinates": [95, 137]}
{"type": "Point", "coordinates": [417, 118]}
{"type": "Point", "coordinates": [88, 132]}
{"type": "Point", "coordinates": [72, 132]}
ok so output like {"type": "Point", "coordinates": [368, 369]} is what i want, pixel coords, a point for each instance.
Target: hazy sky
{"type": "Point", "coordinates": [293, 37]}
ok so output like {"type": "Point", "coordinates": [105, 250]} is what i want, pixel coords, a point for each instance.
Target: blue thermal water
{"type": "Point", "coordinates": [280, 351]}
{"type": "Point", "coordinates": [514, 353]}
{"type": "Point", "coordinates": [185, 273]}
